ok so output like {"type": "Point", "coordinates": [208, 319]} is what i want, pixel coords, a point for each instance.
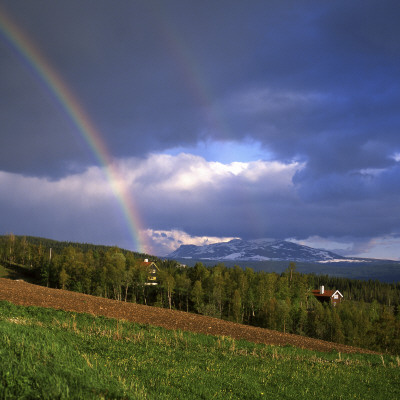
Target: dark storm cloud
{"type": "Point", "coordinates": [150, 73]}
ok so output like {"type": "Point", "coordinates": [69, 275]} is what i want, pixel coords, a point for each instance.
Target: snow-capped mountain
{"type": "Point", "coordinates": [256, 250]}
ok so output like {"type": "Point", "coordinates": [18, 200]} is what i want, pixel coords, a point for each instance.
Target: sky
{"type": "Point", "coordinates": [151, 124]}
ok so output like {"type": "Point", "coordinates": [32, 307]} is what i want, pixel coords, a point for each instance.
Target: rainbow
{"type": "Point", "coordinates": [74, 110]}
{"type": "Point", "coordinates": [191, 74]}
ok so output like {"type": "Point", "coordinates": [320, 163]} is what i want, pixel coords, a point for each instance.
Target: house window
{"type": "Point", "coordinates": [335, 296]}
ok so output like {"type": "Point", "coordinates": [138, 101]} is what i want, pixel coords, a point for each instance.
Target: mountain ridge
{"type": "Point", "coordinates": [259, 250]}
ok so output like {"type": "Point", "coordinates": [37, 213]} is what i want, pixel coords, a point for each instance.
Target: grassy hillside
{"type": "Point", "coordinates": [14, 271]}
{"type": "Point", "coordinates": [50, 354]}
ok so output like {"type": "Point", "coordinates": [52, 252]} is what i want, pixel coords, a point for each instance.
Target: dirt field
{"type": "Point", "coordinates": [23, 293]}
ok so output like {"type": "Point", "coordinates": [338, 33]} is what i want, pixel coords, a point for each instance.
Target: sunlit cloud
{"type": "Point", "coordinates": [166, 242]}
{"type": "Point", "coordinates": [187, 172]}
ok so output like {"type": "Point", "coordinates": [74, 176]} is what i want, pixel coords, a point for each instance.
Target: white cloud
{"type": "Point", "coordinates": [187, 172]}
{"type": "Point", "coordinates": [371, 172]}
{"type": "Point", "coordinates": [166, 241]}
{"type": "Point", "coordinates": [206, 199]}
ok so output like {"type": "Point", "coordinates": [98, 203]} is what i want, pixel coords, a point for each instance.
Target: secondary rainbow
{"type": "Point", "coordinates": [60, 91]}
{"type": "Point", "coordinates": [191, 74]}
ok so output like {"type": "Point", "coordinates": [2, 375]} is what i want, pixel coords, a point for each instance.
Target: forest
{"type": "Point", "coordinates": [368, 317]}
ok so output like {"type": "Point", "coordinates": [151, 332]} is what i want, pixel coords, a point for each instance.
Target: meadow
{"type": "Point", "coordinates": [48, 354]}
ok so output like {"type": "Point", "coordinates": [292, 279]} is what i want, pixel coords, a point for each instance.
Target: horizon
{"type": "Point", "coordinates": [204, 245]}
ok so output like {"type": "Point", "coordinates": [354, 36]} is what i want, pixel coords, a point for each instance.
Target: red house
{"type": "Point", "coordinates": [329, 296]}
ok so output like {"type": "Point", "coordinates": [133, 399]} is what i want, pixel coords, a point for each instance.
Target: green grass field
{"type": "Point", "coordinates": [50, 354]}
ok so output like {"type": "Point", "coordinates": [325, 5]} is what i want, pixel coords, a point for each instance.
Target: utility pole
{"type": "Point", "coordinates": [48, 269]}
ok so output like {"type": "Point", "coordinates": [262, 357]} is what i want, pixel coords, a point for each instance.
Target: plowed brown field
{"type": "Point", "coordinates": [23, 293]}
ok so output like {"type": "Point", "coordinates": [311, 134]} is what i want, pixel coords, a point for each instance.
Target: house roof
{"type": "Point", "coordinates": [147, 264]}
{"type": "Point", "coordinates": [327, 293]}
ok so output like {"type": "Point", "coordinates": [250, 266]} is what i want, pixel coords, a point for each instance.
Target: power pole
{"type": "Point", "coordinates": [48, 270]}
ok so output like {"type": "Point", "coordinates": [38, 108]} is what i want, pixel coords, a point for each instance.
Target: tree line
{"type": "Point", "coordinates": [368, 317]}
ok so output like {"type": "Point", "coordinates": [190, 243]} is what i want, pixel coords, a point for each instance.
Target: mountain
{"type": "Point", "coordinates": [258, 250]}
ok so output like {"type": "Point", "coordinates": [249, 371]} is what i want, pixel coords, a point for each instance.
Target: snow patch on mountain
{"type": "Point", "coordinates": [257, 250]}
